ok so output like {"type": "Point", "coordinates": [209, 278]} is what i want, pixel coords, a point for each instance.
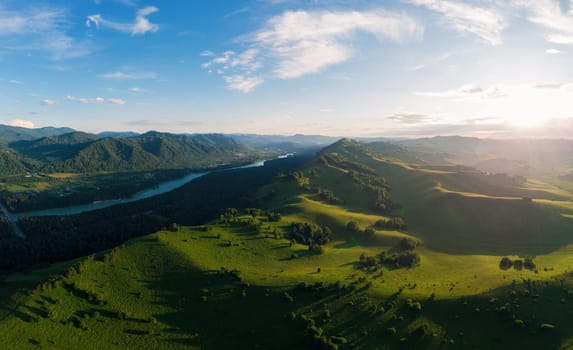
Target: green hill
{"type": "Point", "coordinates": [10, 163]}
{"type": "Point", "coordinates": [13, 133]}
{"type": "Point", "coordinates": [87, 153]}
{"type": "Point", "coordinates": [313, 257]}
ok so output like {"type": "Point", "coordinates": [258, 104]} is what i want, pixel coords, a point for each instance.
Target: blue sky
{"type": "Point", "coordinates": [499, 68]}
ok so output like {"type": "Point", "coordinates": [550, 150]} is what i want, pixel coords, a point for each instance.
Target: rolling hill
{"type": "Point", "coordinates": [526, 157]}
{"type": "Point", "coordinates": [308, 253]}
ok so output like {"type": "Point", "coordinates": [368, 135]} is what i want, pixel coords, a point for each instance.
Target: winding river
{"type": "Point", "coordinates": [151, 192]}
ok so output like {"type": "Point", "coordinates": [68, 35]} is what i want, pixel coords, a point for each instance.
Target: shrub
{"type": "Point", "coordinates": [353, 227]}
{"type": "Point", "coordinates": [529, 264]}
{"type": "Point", "coordinates": [407, 244]}
{"type": "Point", "coordinates": [505, 263]}
{"type": "Point", "coordinates": [396, 223]}
{"type": "Point", "coordinates": [518, 264]}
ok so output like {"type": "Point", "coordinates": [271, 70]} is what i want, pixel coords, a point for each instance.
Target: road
{"type": "Point", "coordinates": [14, 221]}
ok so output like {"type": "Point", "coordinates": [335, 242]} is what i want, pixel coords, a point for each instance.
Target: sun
{"type": "Point", "coordinates": [528, 106]}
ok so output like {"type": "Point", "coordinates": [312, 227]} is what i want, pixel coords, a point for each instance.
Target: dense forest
{"type": "Point", "coordinates": [87, 153]}
{"type": "Point", "coordinates": [52, 239]}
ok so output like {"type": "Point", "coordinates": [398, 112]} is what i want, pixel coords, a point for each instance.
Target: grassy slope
{"type": "Point", "coordinates": [158, 281]}
{"type": "Point", "coordinates": [162, 275]}
{"type": "Point", "coordinates": [456, 222]}
{"type": "Point", "coordinates": [158, 288]}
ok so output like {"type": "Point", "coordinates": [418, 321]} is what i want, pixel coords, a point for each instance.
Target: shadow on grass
{"type": "Point", "coordinates": [212, 303]}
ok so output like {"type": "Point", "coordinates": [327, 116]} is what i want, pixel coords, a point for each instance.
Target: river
{"type": "Point", "coordinates": [151, 192]}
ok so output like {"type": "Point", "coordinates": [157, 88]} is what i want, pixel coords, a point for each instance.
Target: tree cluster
{"type": "Point", "coordinates": [403, 256]}
{"type": "Point", "coordinates": [506, 263]}
{"type": "Point", "coordinates": [310, 234]}
{"type": "Point", "coordinates": [393, 223]}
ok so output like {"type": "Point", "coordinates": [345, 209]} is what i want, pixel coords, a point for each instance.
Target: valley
{"type": "Point", "coordinates": [286, 175]}
{"type": "Point", "coordinates": [192, 273]}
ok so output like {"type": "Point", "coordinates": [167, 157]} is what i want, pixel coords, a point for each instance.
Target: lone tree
{"type": "Point", "coordinates": [505, 263]}
{"type": "Point", "coordinates": [529, 264]}
{"type": "Point", "coordinates": [353, 227]}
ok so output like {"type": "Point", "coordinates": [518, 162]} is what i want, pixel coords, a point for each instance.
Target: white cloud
{"type": "Point", "coordinates": [550, 15]}
{"type": "Point", "coordinates": [96, 100]}
{"type": "Point", "coordinates": [409, 118]}
{"type": "Point", "coordinates": [242, 83]}
{"type": "Point", "coordinates": [129, 76]}
{"type": "Point", "coordinates": [297, 43]}
{"type": "Point", "coordinates": [469, 91]}
{"type": "Point", "coordinates": [48, 102]}
{"type": "Point", "coordinates": [21, 123]}
{"type": "Point", "coordinates": [141, 24]}
{"type": "Point", "coordinates": [116, 101]}
{"type": "Point", "coordinates": [17, 82]}
{"type": "Point", "coordinates": [554, 51]}
{"type": "Point", "coordinates": [207, 53]}
{"type": "Point", "coordinates": [307, 42]}
{"type": "Point", "coordinates": [136, 89]}
{"type": "Point", "coordinates": [486, 23]}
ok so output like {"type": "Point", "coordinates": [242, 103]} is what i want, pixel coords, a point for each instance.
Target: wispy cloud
{"type": "Point", "coordinates": [47, 102]}
{"type": "Point", "coordinates": [297, 43]}
{"type": "Point", "coordinates": [129, 75]}
{"type": "Point", "coordinates": [140, 25]}
{"type": "Point", "coordinates": [307, 42]}
{"type": "Point", "coordinates": [550, 15]}
{"type": "Point", "coordinates": [469, 91]}
{"type": "Point", "coordinates": [554, 51]}
{"type": "Point", "coordinates": [116, 101]}
{"type": "Point", "coordinates": [242, 83]}
{"type": "Point", "coordinates": [409, 118]}
{"type": "Point", "coordinates": [486, 23]}
{"type": "Point", "coordinates": [40, 29]}
{"type": "Point", "coordinates": [96, 100]}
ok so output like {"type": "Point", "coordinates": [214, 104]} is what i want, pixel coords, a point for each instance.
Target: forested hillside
{"type": "Point", "coordinates": [87, 153]}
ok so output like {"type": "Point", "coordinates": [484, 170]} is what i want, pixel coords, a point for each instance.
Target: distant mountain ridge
{"type": "Point", "coordinates": [83, 152]}
{"type": "Point", "coordinates": [526, 157]}
{"type": "Point", "coordinates": [10, 133]}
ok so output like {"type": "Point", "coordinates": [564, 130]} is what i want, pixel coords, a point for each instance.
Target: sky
{"type": "Point", "coordinates": [395, 68]}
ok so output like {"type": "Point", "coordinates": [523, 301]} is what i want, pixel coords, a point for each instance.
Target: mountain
{"type": "Point", "coordinates": [82, 152]}
{"type": "Point", "coordinates": [54, 148]}
{"type": "Point", "coordinates": [118, 134]}
{"type": "Point", "coordinates": [13, 133]}
{"type": "Point", "coordinates": [10, 163]}
{"type": "Point", "coordinates": [282, 143]}
{"type": "Point", "coordinates": [525, 157]}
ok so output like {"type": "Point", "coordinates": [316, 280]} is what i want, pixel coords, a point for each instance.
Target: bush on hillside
{"type": "Point", "coordinates": [310, 234]}
{"type": "Point", "coordinates": [505, 263]}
